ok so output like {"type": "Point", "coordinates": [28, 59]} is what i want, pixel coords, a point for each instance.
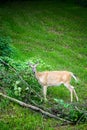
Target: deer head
{"type": "Point", "coordinates": [33, 66]}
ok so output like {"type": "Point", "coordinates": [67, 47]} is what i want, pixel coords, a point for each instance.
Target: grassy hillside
{"type": "Point", "coordinates": [55, 33]}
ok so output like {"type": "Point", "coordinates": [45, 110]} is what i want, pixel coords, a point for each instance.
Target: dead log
{"type": "Point", "coordinates": [34, 108]}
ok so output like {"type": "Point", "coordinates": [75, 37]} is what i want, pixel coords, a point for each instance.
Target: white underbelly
{"type": "Point", "coordinates": [54, 84]}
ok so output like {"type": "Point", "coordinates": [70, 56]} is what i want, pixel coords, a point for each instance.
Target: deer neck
{"type": "Point", "coordinates": [36, 74]}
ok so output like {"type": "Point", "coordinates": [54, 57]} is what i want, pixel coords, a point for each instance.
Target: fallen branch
{"type": "Point", "coordinates": [34, 108]}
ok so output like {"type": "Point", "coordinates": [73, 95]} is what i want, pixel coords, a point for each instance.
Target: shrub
{"type": "Point", "coordinates": [5, 46]}
{"type": "Point", "coordinates": [19, 81]}
{"type": "Point", "coordinates": [76, 112]}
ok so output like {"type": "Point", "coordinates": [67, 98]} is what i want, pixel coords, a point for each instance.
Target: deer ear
{"type": "Point", "coordinates": [30, 64]}
{"type": "Point", "coordinates": [37, 63]}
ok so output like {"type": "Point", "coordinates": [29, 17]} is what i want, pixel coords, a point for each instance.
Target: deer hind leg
{"type": "Point", "coordinates": [45, 92]}
{"type": "Point", "coordinates": [75, 93]}
{"type": "Point", "coordinates": [70, 88]}
{"type": "Point", "coordinates": [72, 91]}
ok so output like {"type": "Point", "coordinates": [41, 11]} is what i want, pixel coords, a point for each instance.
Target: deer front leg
{"type": "Point", "coordinates": [45, 92]}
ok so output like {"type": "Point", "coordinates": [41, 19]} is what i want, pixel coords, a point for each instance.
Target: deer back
{"type": "Point", "coordinates": [53, 78]}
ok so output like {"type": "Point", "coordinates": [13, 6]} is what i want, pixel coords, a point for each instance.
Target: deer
{"type": "Point", "coordinates": [54, 78]}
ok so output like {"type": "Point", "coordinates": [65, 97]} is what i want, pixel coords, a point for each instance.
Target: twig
{"type": "Point", "coordinates": [80, 119]}
{"type": "Point", "coordinates": [34, 108]}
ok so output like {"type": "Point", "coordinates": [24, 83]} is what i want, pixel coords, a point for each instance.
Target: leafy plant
{"type": "Point", "coordinates": [6, 48]}
{"type": "Point", "coordinates": [19, 80]}
{"type": "Point", "coordinates": [73, 112]}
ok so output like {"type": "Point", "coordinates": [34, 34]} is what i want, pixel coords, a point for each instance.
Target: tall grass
{"type": "Point", "coordinates": [55, 32]}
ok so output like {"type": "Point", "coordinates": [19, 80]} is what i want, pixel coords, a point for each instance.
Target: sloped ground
{"type": "Point", "coordinates": [55, 33]}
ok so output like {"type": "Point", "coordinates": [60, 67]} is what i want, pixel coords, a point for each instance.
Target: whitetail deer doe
{"type": "Point", "coordinates": [54, 78]}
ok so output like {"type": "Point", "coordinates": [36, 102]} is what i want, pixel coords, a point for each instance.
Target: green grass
{"type": "Point", "coordinates": [17, 118]}
{"type": "Point", "coordinates": [55, 33]}
{"type": "Point", "coordinates": [22, 118]}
